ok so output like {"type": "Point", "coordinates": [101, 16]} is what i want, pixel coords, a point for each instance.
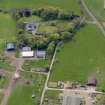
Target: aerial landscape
{"type": "Point", "coordinates": [52, 52]}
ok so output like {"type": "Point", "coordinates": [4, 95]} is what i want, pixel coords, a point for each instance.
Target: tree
{"type": "Point", "coordinates": [66, 35]}
{"type": "Point", "coordinates": [51, 47]}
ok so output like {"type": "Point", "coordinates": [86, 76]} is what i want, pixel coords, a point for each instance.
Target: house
{"type": "Point", "coordinates": [10, 47]}
{"type": "Point", "coordinates": [92, 81]}
{"type": "Point", "coordinates": [41, 54]}
{"type": "Point", "coordinates": [30, 27]}
{"type": "Point", "coordinates": [71, 100]}
{"type": "Point", "coordinates": [27, 52]}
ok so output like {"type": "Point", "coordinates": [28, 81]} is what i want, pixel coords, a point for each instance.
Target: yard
{"type": "Point", "coordinates": [97, 7]}
{"type": "Point", "coordinates": [7, 30]}
{"type": "Point", "coordinates": [29, 64]}
{"type": "Point", "coordinates": [51, 97]}
{"type": "Point", "coordinates": [71, 5]}
{"type": "Point", "coordinates": [29, 85]}
{"type": "Point", "coordinates": [82, 57]}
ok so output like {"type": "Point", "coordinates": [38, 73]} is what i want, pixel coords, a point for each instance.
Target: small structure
{"type": "Point", "coordinates": [10, 47]}
{"type": "Point", "coordinates": [41, 54]}
{"type": "Point", "coordinates": [25, 12]}
{"type": "Point", "coordinates": [71, 100]}
{"type": "Point", "coordinates": [27, 52]}
{"type": "Point", "coordinates": [92, 81]}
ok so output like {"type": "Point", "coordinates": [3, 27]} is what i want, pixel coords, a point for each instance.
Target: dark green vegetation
{"type": "Point", "coordinates": [71, 5]}
{"type": "Point", "coordinates": [82, 57]}
{"type": "Point", "coordinates": [97, 7]}
{"type": "Point", "coordinates": [29, 64]}
{"type": "Point", "coordinates": [30, 84]}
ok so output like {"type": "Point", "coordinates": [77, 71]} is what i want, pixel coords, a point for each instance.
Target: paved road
{"type": "Point", "coordinates": [93, 17]}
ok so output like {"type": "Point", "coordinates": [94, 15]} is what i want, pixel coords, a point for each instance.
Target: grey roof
{"type": "Point", "coordinates": [41, 54]}
{"type": "Point", "coordinates": [71, 100]}
{"type": "Point", "coordinates": [10, 46]}
{"type": "Point", "coordinates": [26, 48]}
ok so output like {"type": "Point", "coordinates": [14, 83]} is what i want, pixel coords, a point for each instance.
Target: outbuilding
{"type": "Point", "coordinates": [92, 81]}
{"type": "Point", "coordinates": [10, 47]}
{"type": "Point", "coordinates": [27, 54]}
{"type": "Point", "coordinates": [41, 54]}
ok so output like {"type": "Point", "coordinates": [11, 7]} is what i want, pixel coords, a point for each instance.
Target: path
{"type": "Point", "coordinates": [48, 76]}
{"type": "Point", "coordinates": [93, 17]}
{"type": "Point", "coordinates": [17, 63]}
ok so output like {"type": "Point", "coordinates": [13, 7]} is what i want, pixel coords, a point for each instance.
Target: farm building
{"type": "Point", "coordinates": [41, 54]}
{"type": "Point", "coordinates": [71, 100]}
{"type": "Point", "coordinates": [10, 47]}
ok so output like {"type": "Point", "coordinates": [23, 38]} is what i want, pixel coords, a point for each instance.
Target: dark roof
{"type": "Point", "coordinates": [71, 100]}
{"type": "Point", "coordinates": [92, 81]}
{"type": "Point", "coordinates": [10, 46]}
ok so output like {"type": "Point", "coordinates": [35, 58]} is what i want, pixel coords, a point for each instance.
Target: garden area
{"type": "Point", "coordinates": [51, 97]}
{"type": "Point", "coordinates": [82, 57]}
{"type": "Point", "coordinates": [41, 63]}
{"type": "Point", "coordinates": [28, 89]}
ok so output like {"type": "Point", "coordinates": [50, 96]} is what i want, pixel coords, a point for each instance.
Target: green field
{"type": "Point", "coordinates": [7, 30]}
{"type": "Point", "coordinates": [62, 4]}
{"type": "Point", "coordinates": [82, 57]}
{"type": "Point", "coordinates": [22, 93]}
{"type": "Point", "coordinates": [97, 7]}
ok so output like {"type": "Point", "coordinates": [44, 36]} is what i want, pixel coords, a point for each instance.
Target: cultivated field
{"type": "Point", "coordinates": [71, 5]}
{"type": "Point", "coordinates": [82, 57]}
{"type": "Point", "coordinates": [97, 7]}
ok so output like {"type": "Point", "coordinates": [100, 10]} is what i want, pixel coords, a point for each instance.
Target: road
{"type": "Point", "coordinates": [93, 17]}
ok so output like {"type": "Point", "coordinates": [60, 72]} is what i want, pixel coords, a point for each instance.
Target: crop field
{"type": "Point", "coordinates": [97, 7]}
{"type": "Point", "coordinates": [7, 30]}
{"type": "Point", "coordinates": [30, 84]}
{"type": "Point", "coordinates": [82, 57]}
{"type": "Point", "coordinates": [71, 5]}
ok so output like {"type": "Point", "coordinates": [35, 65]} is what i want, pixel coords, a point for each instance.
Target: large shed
{"type": "Point", "coordinates": [41, 54]}
{"type": "Point", "coordinates": [71, 100]}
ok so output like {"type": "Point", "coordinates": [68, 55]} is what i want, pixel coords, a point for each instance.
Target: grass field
{"type": "Point", "coordinates": [82, 57]}
{"type": "Point", "coordinates": [7, 30]}
{"type": "Point", "coordinates": [71, 5]}
{"type": "Point", "coordinates": [22, 93]}
{"type": "Point", "coordinates": [97, 7]}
